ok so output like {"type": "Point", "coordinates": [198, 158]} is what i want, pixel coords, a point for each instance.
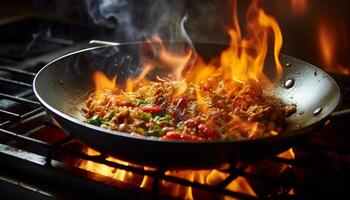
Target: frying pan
{"type": "Point", "coordinates": [62, 85]}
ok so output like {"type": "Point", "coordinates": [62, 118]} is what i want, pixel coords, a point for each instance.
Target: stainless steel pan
{"type": "Point", "coordinates": [62, 85]}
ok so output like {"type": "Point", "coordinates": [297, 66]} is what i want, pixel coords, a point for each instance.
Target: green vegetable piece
{"type": "Point", "coordinates": [147, 116]}
{"type": "Point", "coordinates": [179, 128]}
{"type": "Point", "coordinates": [143, 102]}
{"type": "Point", "coordinates": [95, 120]}
{"type": "Point", "coordinates": [165, 119]}
{"type": "Point", "coordinates": [112, 114]}
{"type": "Point", "coordinates": [156, 128]}
{"type": "Point", "coordinates": [104, 121]}
{"type": "Point", "coordinates": [154, 131]}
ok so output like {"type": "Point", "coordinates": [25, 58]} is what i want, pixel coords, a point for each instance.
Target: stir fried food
{"type": "Point", "coordinates": [226, 110]}
{"type": "Point", "coordinates": [217, 99]}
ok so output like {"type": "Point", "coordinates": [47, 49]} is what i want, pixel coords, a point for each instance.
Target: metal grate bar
{"type": "Point", "coordinates": [5, 80]}
{"type": "Point", "coordinates": [5, 123]}
{"type": "Point", "coordinates": [9, 115]}
{"type": "Point", "coordinates": [15, 136]}
{"type": "Point", "coordinates": [55, 145]}
{"type": "Point", "coordinates": [101, 160]}
{"type": "Point", "coordinates": [32, 112]}
{"type": "Point", "coordinates": [18, 99]}
{"type": "Point", "coordinates": [14, 119]}
{"type": "Point", "coordinates": [233, 175]}
{"type": "Point", "coordinates": [156, 183]}
{"type": "Point", "coordinates": [17, 71]}
{"type": "Point", "coordinates": [52, 125]}
{"type": "Point", "coordinates": [63, 141]}
{"type": "Point", "coordinates": [33, 130]}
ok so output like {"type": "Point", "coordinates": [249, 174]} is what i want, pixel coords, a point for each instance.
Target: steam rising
{"type": "Point", "coordinates": [134, 20]}
{"type": "Point", "coordinates": [171, 20]}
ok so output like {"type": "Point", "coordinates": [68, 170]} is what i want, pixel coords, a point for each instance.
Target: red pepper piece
{"type": "Point", "coordinates": [174, 135]}
{"type": "Point", "coordinates": [179, 108]}
{"type": "Point", "coordinates": [152, 110]}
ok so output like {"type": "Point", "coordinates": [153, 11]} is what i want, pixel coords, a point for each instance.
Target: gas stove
{"type": "Point", "coordinates": [40, 161]}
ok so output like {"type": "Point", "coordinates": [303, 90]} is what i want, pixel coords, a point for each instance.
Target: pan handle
{"type": "Point", "coordinates": [102, 42]}
{"type": "Point", "coordinates": [340, 113]}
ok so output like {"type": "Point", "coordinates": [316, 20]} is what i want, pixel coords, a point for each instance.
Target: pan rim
{"type": "Point", "coordinates": [282, 136]}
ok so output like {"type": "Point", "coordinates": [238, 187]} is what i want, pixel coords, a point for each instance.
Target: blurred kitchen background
{"type": "Point", "coordinates": [313, 30]}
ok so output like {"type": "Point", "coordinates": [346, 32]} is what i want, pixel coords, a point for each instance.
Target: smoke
{"type": "Point", "coordinates": [135, 20]}
{"type": "Point", "coordinates": [170, 20]}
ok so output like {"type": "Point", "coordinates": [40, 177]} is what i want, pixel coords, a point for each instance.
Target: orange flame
{"type": "Point", "coordinates": [289, 154]}
{"type": "Point", "coordinates": [199, 74]}
{"type": "Point", "coordinates": [238, 72]}
{"type": "Point", "coordinates": [245, 57]}
{"type": "Point", "coordinates": [328, 44]}
{"type": "Point", "coordinates": [242, 62]}
{"type": "Point", "coordinates": [176, 62]}
{"type": "Point", "coordinates": [328, 41]}
{"type": "Point", "coordinates": [171, 60]}
{"type": "Point", "coordinates": [208, 177]}
{"type": "Point", "coordinates": [211, 177]}
{"type": "Point", "coordinates": [131, 83]}
{"type": "Point", "coordinates": [102, 82]}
